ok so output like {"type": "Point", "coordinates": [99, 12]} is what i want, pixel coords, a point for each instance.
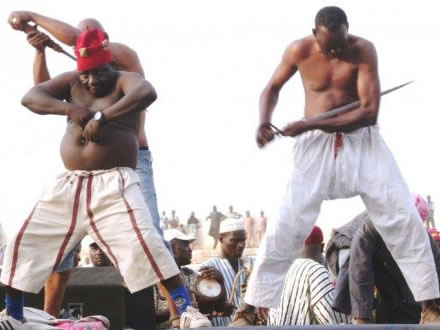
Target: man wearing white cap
{"type": "Point", "coordinates": [231, 264]}
{"type": "Point", "coordinates": [181, 247]}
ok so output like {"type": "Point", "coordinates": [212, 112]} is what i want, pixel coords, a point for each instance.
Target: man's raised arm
{"type": "Point", "coordinates": [40, 71]}
{"type": "Point", "coordinates": [64, 32]}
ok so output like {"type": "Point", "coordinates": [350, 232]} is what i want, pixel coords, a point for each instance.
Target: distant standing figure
{"type": "Point", "coordinates": [194, 229]}
{"type": "Point", "coordinates": [163, 221]}
{"type": "Point", "coordinates": [216, 218]}
{"type": "Point", "coordinates": [174, 222]}
{"type": "Point", "coordinates": [249, 224]}
{"type": "Point", "coordinates": [233, 214]}
{"type": "Point", "coordinates": [261, 224]}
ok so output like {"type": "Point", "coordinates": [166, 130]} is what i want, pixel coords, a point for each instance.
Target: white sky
{"type": "Point", "coordinates": [209, 61]}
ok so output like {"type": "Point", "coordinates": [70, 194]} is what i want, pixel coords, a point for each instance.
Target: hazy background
{"type": "Point", "coordinates": [209, 61]}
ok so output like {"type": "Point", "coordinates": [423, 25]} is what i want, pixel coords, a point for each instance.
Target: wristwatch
{"type": "Point", "coordinates": [100, 117]}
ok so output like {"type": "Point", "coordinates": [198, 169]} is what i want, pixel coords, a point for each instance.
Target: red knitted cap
{"type": "Point", "coordinates": [92, 50]}
{"type": "Point", "coordinates": [315, 236]}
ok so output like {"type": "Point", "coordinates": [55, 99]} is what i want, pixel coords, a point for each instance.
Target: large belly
{"type": "Point", "coordinates": [116, 147]}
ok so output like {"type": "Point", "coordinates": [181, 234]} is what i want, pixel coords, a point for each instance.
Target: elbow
{"type": "Point", "coordinates": [369, 114]}
{"type": "Point", "coordinates": [372, 117]}
{"type": "Point", "coordinates": [26, 100]}
{"type": "Point", "coordinates": [149, 96]}
{"type": "Point", "coordinates": [71, 38]}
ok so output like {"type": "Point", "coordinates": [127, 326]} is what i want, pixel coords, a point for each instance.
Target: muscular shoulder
{"type": "Point", "coordinates": [363, 50]}
{"type": "Point", "coordinates": [125, 77]}
{"type": "Point", "coordinates": [298, 50]}
{"type": "Point", "coordinates": [66, 79]}
{"type": "Point", "coordinates": [129, 75]}
{"type": "Point", "coordinates": [126, 58]}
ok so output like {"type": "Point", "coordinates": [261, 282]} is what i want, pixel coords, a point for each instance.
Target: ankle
{"type": "Point", "coordinates": [181, 298]}
{"type": "Point", "coordinates": [14, 306]}
{"type": "Point", "coordinates": [427, 304]}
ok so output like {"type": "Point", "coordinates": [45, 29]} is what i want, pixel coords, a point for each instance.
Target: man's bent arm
{"type": "Point", "coordinates": [47, 98]}
{"type": "Point", "coordinates": [285, 70]}
{"type": "Point", "coordinates": [63, 32]}
{"type": "Point", "coordinates": [138, 94]}
{"type": "Point", "coordinates": [37, 40]}
{"type": "Point", "coordinates": [368, 87]}
{"type": "Point", "coordinates": [126, 59]}
{"type": "Point", "coordinates": [40, 70]}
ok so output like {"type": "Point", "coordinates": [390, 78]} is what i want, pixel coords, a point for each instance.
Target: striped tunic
{"type": "Point", "coordinates": [228, 272]}
{"type": "Point", "coordinates": [307, 297]}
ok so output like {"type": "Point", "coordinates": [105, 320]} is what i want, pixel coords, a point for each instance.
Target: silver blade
{"type": "Point", "coordinates": [352, 105]}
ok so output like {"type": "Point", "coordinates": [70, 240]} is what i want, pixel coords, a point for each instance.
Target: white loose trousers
{"type": "Point", "coordinates": [105, 204]}
{"type": "Point", "coordinates": [326, 169]}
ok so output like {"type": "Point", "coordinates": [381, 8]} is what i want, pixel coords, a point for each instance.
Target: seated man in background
{"type": "Point", "coordinates": [231, 265]}
{"type": "Point", "coordinates": [181, 245]}
{"type": "Point", "coordinates": [98, 257]}
{"type": "Point", "coordinates": [371, 266]}
{"type": "Point", "coordinates": [308, 293]}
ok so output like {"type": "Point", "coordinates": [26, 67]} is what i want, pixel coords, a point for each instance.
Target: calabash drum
{"type": "Point", "coordinates": [210, 295]}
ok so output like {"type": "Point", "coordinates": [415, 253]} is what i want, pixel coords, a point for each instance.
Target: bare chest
{"type": "Point", "coordinates": [81, 97]}
{"type": "Point", "coordinates": [321, 74]}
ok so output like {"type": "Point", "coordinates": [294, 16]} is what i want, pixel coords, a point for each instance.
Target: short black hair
{"type": "Point", "coordinates": [331, 17]}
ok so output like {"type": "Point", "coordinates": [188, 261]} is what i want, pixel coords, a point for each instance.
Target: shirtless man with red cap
{"type": "Point", "coordinates": [125, 59]}
{"type": "Point", "coordinates": [99, 190]}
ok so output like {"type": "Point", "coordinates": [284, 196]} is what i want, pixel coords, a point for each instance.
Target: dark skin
{"type": "Point", "coordinates": [98, 257]}
{"type": "Point", "coordinates": [125, 58]}
{"type": "Point", "coordinates": [55, 285]}
{"type": "Point", "coordinates": [182, 255]}
{"type": "Point", "coordinates": [336, 68]}
{"type": "Point", "coordinates": [119, 95]}
{"type": "Point", "coordinates": [232, 246]}
{"type": "Point", "coordinates": [312, 251]}
{"type": "Point", "coordinates": [182, 252]}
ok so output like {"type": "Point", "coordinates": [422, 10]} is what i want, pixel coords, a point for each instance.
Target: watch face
{"type": "Point", "coordinates": [98, 115]}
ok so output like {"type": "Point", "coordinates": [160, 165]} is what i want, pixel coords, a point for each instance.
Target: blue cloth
{"type": "Point", "coordinates": [69, 261]}
{"type": "Point", "coordinates": [144, 170]}
{"type": "Point", "coordinates": [181, 298]}
{"type": "Point", "coordinates": [14, 306]}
